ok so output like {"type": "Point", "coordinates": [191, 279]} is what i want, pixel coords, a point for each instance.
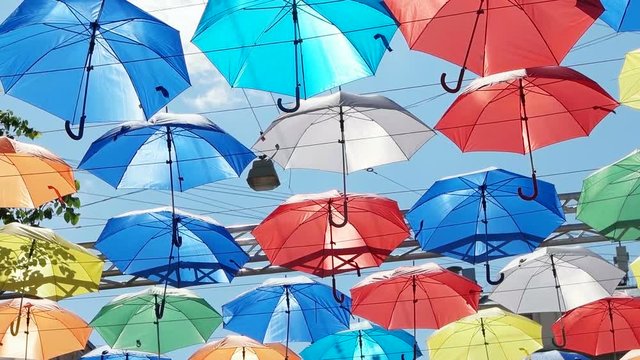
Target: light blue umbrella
{"type": "Point", "coordinates": [622, 15]}
{"type": "Point", "coordinates": [297, 47]}
{"type": "Point", "coordinates": [556, 355]}
{"type": "Point", "coordinates": [90, 60]}
{"type": "Point", "coordinates": [107, 353]}
{"type": "Point", "coordinates": [287, 309]}
{"type": "Point", "coordinates": [363, 341]}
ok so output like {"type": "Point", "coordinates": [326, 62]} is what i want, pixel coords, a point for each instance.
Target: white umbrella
{"type": "Point", "coordinates": [555, 279]}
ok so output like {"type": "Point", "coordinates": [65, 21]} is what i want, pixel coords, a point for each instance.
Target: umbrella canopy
{"type": "Point", "coordinates": [494, 36]}
{"type": "Point", "coordinates": [363, 341]}
{"type": "Point", "coordinates": [129, 320]}
{"type": "Point", "coordinates": [621, 15]}
{"type": "Point", "coordinates": [491, 334]}
{"type": "Point", "coordinates": [291, 47]}
{"type": "Point", "coordinates": [375, 130]}
{"type": "Point", "coordinates": [556, 355]}
{"type": "Point", "coordinates": [609, 199]}
{"type": "Point", "coordinates": [631, 355]}
{"type": "Point", "coordinates": [289, 309]}
{"type": "Point", "coordinates": [140, 242]}
{"type": "Point", "coordinates": [38, 262]}
{"type": "Point", "coordinates": [629, 80]}
{"type": "Point", "coordinates": [635, 269]}
{"type": "Point", "coordinates": [107, 353]}
{"type": "Point", "coordinates": [234, 347]}
{"type": "Point", "coordinates": [555, 279]}
{"type": "Point", "coordinates": [47, 330]}
{"type": "Point", "coordinates": [601, 327]}
{"type": "Point", "coordinates": [31, 175]}
{"type": "Point", "coordinates": [81, 60]}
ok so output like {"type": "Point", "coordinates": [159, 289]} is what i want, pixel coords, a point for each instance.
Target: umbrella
{"type": "Point", "coordinates": [494, 36]}
{"type": "Point", "coordinates": [555, 279]}
{"type": "Point", "coordinates": [362, 341]}
{"type": "Point", "coordinates": [128, 321]}
{"type": "Point", "coordinates": [299, 47]}
{"type": "Point", "coordinates": [629, 80]}
{"type": "Point", "coordinates": [31, 175]}
{"type": "Point", "coordinates": [528, 108]}
{"type": "Point", "coordinates": [479, 216]}
{"type": "Point", "coordinates": [491, 334]}
{"type": "Point", "coordinates": [49, 330]}
{"type": "Point", "coordinates": [301, 234]}
{"type": "Point", "coordinates": [601, 327]}
{"type": "Point", "coordinates": [93, 60]}
{"type": "Point", "coordinates": [635, 269]}
{"type": "Point", "coordinates": [234, 347]}
{"type": "Point", "coordinates": [425, 296]}
{"type": "Point", "coordinates": [290, 309]}
{"type": "Point", "coordinates": [107, 353]}
{"type": "Point", "coordinates": [622, 15]}
{"type": "Point", "coordinates": [139, 243]}
{"type": "Point", "coordinates": [631, 355]}
{"type": "Point", "coordinates": [609, 201]}
{"type": "Point", "coordinates": [556, 355]}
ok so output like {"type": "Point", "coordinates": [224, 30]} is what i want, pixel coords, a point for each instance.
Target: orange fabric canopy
{"type": "Point", "coordinates": [235, 347]}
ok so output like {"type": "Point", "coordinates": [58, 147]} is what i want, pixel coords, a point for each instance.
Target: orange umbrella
{"type": "Point", "coordinates": [235, 347]}
{"type": "Point", "coordinates": [47, 330]}
{"type": "Point", "coordinates": [31, 175]}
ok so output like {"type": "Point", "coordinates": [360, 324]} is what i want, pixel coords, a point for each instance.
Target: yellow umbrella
{"type": "Point", "coordinates": [36, 261]}
{"type": "Point", "coordinates": [635, 269]}
{"type": "Point", "coordinates": [31, 175]}
{"type": "Point", "coordinates": [629, 80]}
{"type": "Point", "coordinates": [491, 334]}
{"type": "Point", "coordinates": [235, 347]}
{"type": "Point", "coordinates": [632, 355]}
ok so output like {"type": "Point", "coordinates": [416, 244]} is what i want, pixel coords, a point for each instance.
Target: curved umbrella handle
{"type": "Point", "coordinates": [345, 220]}
{"type": "Point", "coordinates": [295, 107]}
{"type": "Point", "coordinates": [452, 90]}
{"type": "Point", "coordinates": [491, 281]}
{"type": "Point", "coordinates": [384, 40]}
{"type": "Point", "coordinates": [336, 294]}
{"type": "Point", "coordinates": [159, 308]}
{"type": "Point", "coordinates": [67, 127]}
{"type": "Point", "coordinates": [564, 340]}
{"type": "Point", "coordinates": [534, 180]}
{"type": "Point", "coordinates": [15, 329]}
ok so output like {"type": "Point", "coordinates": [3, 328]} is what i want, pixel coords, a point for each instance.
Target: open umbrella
{"type": "Point", "coordinates": [31, 175]}
{"type": "Point", "coordinates": [129, 321]}
{"type": "Point", "coordinates": [363, 341]}
{"type": "Point", "coordinates": [425, 296]}
{"type": "Point", "coordinates": [489, 37]}
{"type": "Point", "coordinates": [479, 216]}
{"type": "Point", "coordinates": [491, 334]}
{"type": "Point", "coordinates": [555, 355]}
{"type": "Point", "coordinates": [93, 60]}
{"type": "Point", "coordinates": [235, 347]}
{"type": "Point", "coordinates": [299, 48]}
{"type": "Point", "coordinates": [621, 15]}
{"type": "Point", "coordinates": [629, 80]}
{"type": "Point", "coordinates": [49, 330]}
{"type": "Point", "coordinates": [283, 310]}
{"type": "Point", "coordinates": [301, 234]}
{"type": "Point", "coordinates": [632, 355]}
{"type": "Point", "coordinates": [524, 110]}
{"type": "Point", "coordinates": [107, 353]}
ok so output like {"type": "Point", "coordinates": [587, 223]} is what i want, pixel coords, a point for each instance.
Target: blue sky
{"type": "Point", "coordinates": [615, 137]}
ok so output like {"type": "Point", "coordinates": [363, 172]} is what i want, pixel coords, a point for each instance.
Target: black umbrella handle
{"type": "Point", "coordinates": [534, 195]}
{"type": "Point", "coordinates": [339, 297]}
{"type": "Point", "coordinates": [490, 280]}
{"type": "Point", "coordinates": [457, 87]}
{"type": "Point", "coordinates": [295, 107]}
{"type": "Point", "coordinates": [67, 127]}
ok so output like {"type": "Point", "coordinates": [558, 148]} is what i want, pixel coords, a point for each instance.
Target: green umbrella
{"type": "Point", "coordinates": [129, 321]}
{"type": "Point", "coordinates": [610, 201]}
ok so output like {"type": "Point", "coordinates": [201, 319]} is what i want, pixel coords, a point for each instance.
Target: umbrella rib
{"type": "Point", "coordinates": [535, 26]}
{"type": "Point", "coordinates": [569, 112]}
{"type": "Point", "coordinates": [395, 303]}
{"type": "Point", "coordinates": [127, 163]}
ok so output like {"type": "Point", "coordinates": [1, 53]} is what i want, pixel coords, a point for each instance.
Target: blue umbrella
{"type": "Point", "coordinates": [478, 217]}
{"type": "Point", "coordinates": [90, 60]}
{"type": "Point", "coordinates": [363, 341]}
{"type": "Point", "coordinates": [107, 353]}
{"type": "Point", "coordinates": [556, 355]}
{"type": "Point", "coordinates": [289, 309]}
{"type": "Point", "coordinates": [298, 47]}
{"type": "Point", "coordinates": [622, 15]}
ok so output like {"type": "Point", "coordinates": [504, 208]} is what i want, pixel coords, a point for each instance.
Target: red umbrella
{"type": "Point", "coordinates": [523, 110]}
{"type": "Point", "coordinates": [605, 326]}
{"type": "Point", "coordinates": [425, 297]}
{"type": "Point", "coordinates": [489, 37]}
{"type": "Point", "coordinates": [302, 234]}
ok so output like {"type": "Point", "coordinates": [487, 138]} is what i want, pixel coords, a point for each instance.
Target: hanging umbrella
{"type": "Point", "coordinates": [363, 341]}
{"type": "Point", "coordinates": [555, 279]}
{"type": "Point", "coordinates": [635, 269]}
{"type": "Point", "coordinates": [621, 15]}
{"type": "Point", "coordinates": [425, 296]}
{"type": "Point", "coordinates": [129, 321]}
{"type": "Point", "coordinates": [48, 330]}
{"type": "Point", "coordinates": [299, 48]}
{"type": "Point", "coordinates": [234, 347]}
{"type": "Point", "coordinates": [478, 217]}
{"type": "Point", "coordinates": [489, 37]}
{"type": "Point", "coordinates": [90, 61]}
{"type": "Point", "coordinates": [31, 175]}
{"type": "Point", "coordinates": [556, 355]}
{"type": "Point", "coordinates": [491, 334]}
{"type": "Point", "coordinates": [529, 109]}
{"type": "Point", "coordinates": [604, 326]}
{"type": "Point", "coordinates": [303, 234]}
{"type": "Point", "coordinates": [632, 355]}
{"type": "Point", "coordinates": [282, 310]}
{"type": "Point", "coordinates": [609, 201]}
{"type": "Point", "coordinates": [107, 353]}
{"type": "Point", "coordinates": [629, 80]}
